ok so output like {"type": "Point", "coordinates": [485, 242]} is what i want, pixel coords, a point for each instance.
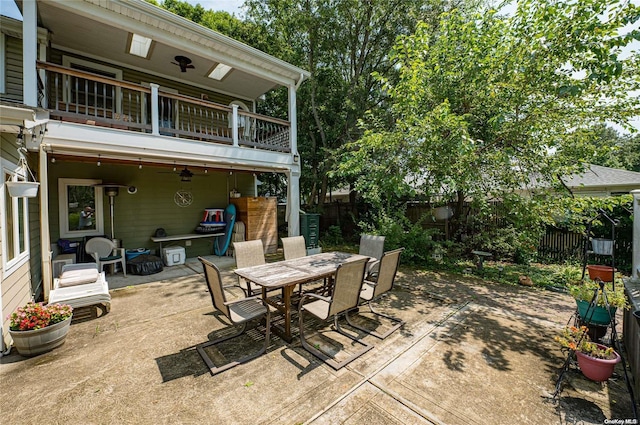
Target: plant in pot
{"type": "Point", "coordinates": [37, 328]}
{"type": "Point", "coordinates": [584, 292]}
{"type": "Point", "coordinates": [596, 361]}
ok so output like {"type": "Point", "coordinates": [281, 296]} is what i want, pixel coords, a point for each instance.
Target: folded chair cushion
{"type": "Point", "coordinates": [111, 257]}
{"type": "Point", "coordinates": [77, 277]}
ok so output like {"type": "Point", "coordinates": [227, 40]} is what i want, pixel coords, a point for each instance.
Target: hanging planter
{"type": "Point", "coordinates": [22, 189]}
{"type": "Point", "coordinates": [443, 213]}
{"type": "Point", "coordinates": [602, 246]}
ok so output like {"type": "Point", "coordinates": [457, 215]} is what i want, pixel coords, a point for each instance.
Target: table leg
{"type": "Point", "coordinates": [286, 293]}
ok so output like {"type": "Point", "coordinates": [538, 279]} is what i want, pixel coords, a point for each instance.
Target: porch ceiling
{"type": "Point", "coordinates": [102, 30]}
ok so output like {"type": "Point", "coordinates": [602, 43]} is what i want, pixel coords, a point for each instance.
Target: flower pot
{"type": "Point", "coordinates": [602, 246]}
{"type": "Point", "coordinates": [599, 315]}
{"type": "Point", "coordinates": [38, 341]}
{"type": "Point", "coordinates": [604, 273]}
{"type": "Point", "coordinates": [443, 213]}
{"type": "Point", "coordinates": [597, 369]}
{"type": "Point", "coordinates": [22, 189]}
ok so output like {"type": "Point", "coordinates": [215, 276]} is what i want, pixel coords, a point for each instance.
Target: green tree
{"type": "Point", "coordinates": [344, 44]}
{"type": "Point", "coordinates": [485, 102]}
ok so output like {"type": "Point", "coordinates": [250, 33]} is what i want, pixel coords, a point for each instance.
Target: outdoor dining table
{"type": "Point", "coordinates": [287, 274]}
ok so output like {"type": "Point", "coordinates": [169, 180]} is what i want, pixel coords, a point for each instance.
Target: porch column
{"type": "Point", "coordinates": [635, 259]}
{"type": "Point", "coordinates": [45, 237]}
{"type": "Point", "coordinates": [29, 51]}
{"type": "Point", "coordinates": [293, 120]}
{"type": "Point", "coordinates": [155, 116]}
{"type": "Point", "coordinates": [293, 202]}
{"type": "Point", "coordinates": [234, 125]}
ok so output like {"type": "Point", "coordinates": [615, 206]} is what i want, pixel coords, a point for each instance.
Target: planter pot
{"type": "Point", "coordinates": [32, 343]}
{"type": "Point", "coordinates": [604, 273]}
{"type": "Point", "coordinates": [597, 369]}
{"type": "Point", "coordinates": [443, 213]}
{"type": "Point", "coordinates": [602, 246]}
{"type": "Point", "coordinates": [22, 189]}
{"type": "Point", "coordinates": [599, 315]}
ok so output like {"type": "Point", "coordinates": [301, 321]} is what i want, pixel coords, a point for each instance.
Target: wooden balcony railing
{"type": "Point", "coordinates": [83, 97]}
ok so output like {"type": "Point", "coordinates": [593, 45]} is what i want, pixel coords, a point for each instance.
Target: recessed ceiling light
{"type": "Point", "coordinates": [140, 45]}
{"type": "Point", "coordinates": [220, 71]}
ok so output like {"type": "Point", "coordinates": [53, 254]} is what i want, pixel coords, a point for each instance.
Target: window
{"type": "Point", "coordinates": [81, 212]}
{"type": "Point", "coordinates": [15, 236]}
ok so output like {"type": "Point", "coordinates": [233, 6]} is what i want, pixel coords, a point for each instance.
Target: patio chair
{"type": "Point", "coordinates": [373, 290]}
{"type": "Point", "coordinates": [372, 246]}
{"type": "Point", "coordinates": [239, 312]}
{"type": "Point", "coordinates": [104, 251]}
{"type": "Point", "coordinates": [248, 254]}
{"type": "Point", "coordinates": [345, 296]}
{"type": "Point", "coordinates": [294, 247]}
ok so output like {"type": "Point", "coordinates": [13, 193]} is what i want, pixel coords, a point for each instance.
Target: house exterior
{"type": "Point", "coordinates": [133, 119]}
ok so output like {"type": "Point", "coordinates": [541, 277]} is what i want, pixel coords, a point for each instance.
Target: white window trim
{"type": "Point", "coordinates": [12, 265]}
{"type": "Point", "coordinates": [67, 61]}
{"type": "Point", "coordinates": [63, 208]}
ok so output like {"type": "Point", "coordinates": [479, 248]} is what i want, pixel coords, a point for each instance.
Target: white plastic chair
{"type": "Point", "coordinates": [104, 251]}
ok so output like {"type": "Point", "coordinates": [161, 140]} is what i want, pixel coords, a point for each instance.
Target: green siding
{"type": "Point", "coordinates": [137, 216]}
{"type": "Point", "coordinates": [13, 57]}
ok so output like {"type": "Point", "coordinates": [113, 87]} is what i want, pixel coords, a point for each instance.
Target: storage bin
{"type": "Point", "coordinates": [173, 256]}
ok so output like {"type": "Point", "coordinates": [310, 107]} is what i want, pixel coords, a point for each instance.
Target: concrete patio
{"type": "Point", "coordinates": [471, 352]}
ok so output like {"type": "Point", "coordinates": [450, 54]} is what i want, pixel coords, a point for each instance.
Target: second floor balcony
{"type": "Point", "coordinates": [73, 95]}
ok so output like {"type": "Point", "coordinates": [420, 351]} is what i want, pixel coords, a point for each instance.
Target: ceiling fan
{"type": "Point", "coordinates": [183, 62]}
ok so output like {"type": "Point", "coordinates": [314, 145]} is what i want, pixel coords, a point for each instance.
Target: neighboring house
{"type": "Point", "coordinates": [603, 181]}
{"type": "Point", "coordinates": [125, 94]}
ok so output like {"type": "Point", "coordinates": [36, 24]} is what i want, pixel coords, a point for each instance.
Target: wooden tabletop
{"type": "Point", "coordinates": [298, 270]}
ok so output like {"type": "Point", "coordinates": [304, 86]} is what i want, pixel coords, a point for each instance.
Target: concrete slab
{"type": "Point", "coordinates": [470, 352]}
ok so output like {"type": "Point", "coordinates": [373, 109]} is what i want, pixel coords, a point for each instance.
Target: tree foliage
{"type": "Point", "coordinates": [344, 44]}
{"type": "Point", "coordinates": [485, 102]}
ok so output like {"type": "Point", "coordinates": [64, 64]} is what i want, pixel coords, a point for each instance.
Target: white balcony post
{"type": "Point", "coordinates": [155, 115]}
{"type": "Point", "coordinates": [635, 260]}
{"type": "Point", "coordinates": [234, 125]}
{"type": "Point", "coordinates": [29, 52]}
{"type": "Point", "coordinates": [293, 202]}
{"type": "Point", "coordinates": [293, 121]}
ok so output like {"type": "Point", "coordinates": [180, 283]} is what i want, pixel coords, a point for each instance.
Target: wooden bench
{"type": "Point", "coordinates": [184, 237]}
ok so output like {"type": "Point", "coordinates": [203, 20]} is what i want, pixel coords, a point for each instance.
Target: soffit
{"type": "Point", "coordinates": [101, 29]}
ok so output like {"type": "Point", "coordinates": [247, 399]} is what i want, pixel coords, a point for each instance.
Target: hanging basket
{"type": "Point", "coordinates": [22, 189]}
{"type": "Point", "coordinates": [604, 273]}
{"type": "Point", "coordinates": [602, 246]}
{"type": "Point", "coordinates": [443, 213]}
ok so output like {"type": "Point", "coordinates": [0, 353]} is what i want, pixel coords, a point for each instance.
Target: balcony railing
{"type": "Point", "coordinates": [87, 98]}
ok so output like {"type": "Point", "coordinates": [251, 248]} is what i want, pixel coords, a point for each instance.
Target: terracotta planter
{"type": "Point", "coordinates": [22, 189]}
{"type": "Point", "coordinates": [604, 273]}
{"type": "Point", "coordinates": [597, 369]}
{"type": "Point", "coordinates": [38, 341]}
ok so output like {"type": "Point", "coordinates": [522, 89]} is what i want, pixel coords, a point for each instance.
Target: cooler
{"type": "Point", "coordinates": [173, 256]}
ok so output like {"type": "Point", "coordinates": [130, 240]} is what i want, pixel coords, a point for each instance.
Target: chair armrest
{"type": "Point", "coordinates": [312, 295]}
{"type": "Point", "coordinates": [119, 251]}
{"type": "Point", "coordinates": [368, 282]}
{"type": "Point", "coordinates": [254, 297]}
